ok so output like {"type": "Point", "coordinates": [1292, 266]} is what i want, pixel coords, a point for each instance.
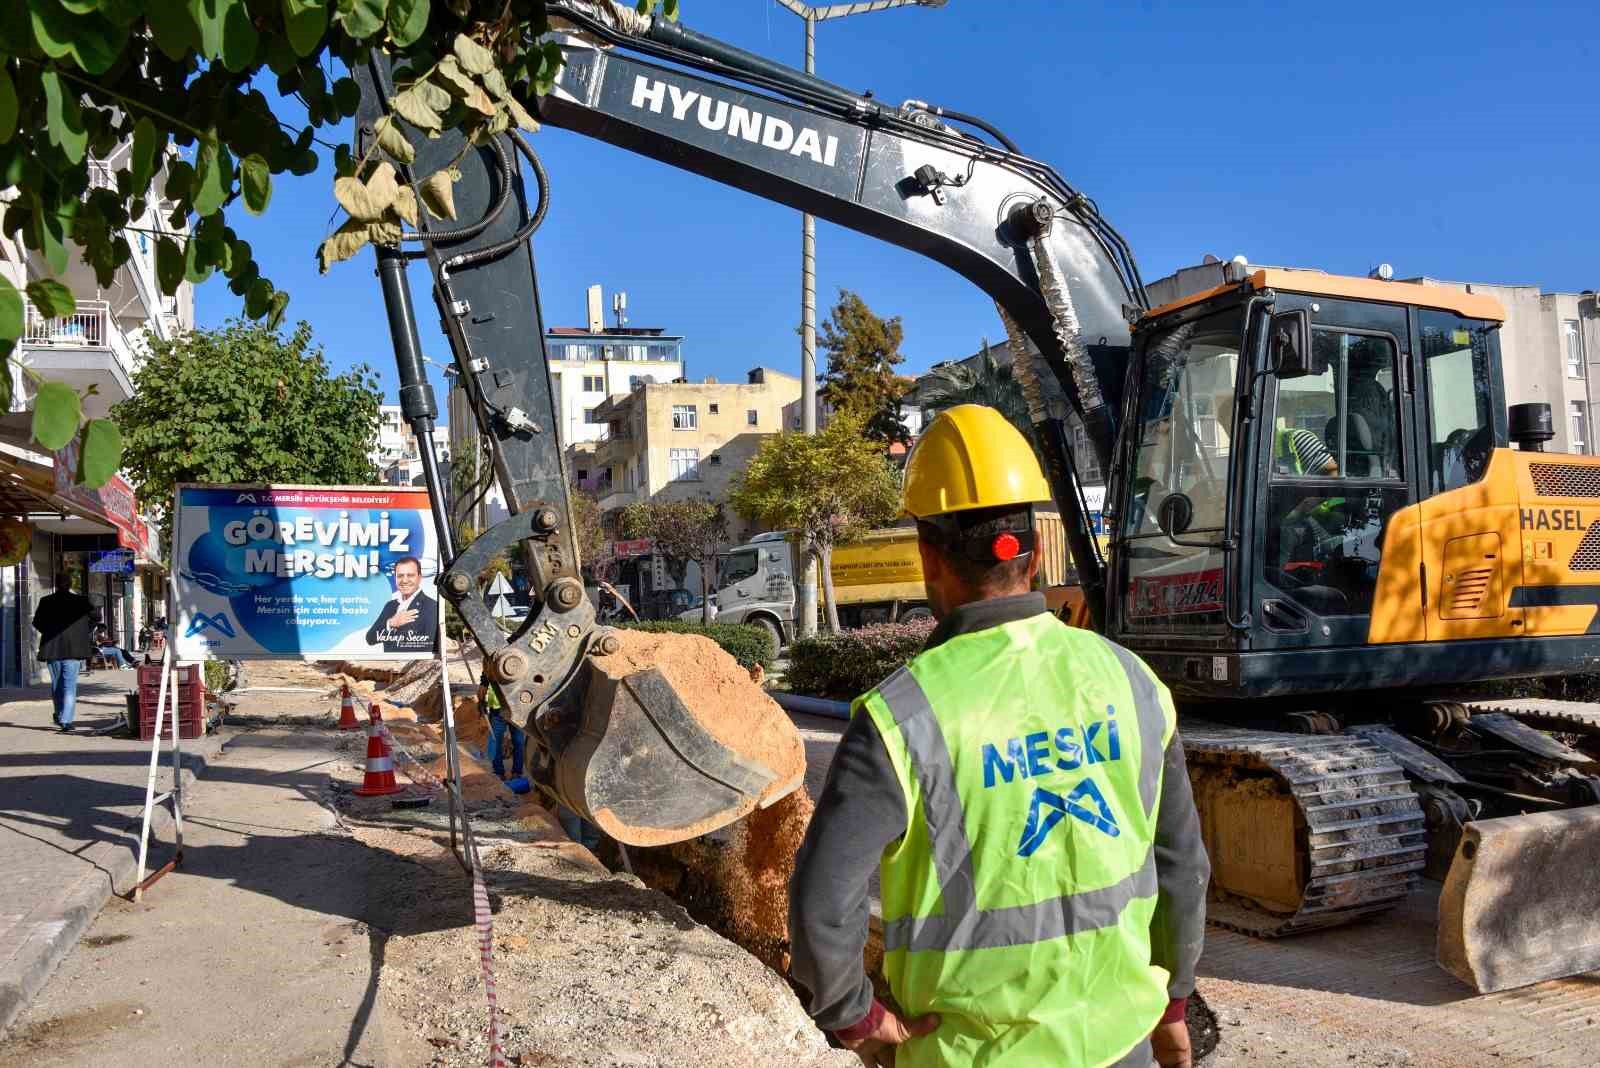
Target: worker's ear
{"type": "Point", "coordinates": [932, 563]}
{"type": "Point", "coordinates": [1035, 561]}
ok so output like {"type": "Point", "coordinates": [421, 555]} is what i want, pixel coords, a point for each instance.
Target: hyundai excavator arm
{"type": "Point", "coordinates": [1058, 273]}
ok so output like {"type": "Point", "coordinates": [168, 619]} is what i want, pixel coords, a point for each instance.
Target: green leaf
{"type": "Point", "coordinates": [346, 96]}
{"type": "Point", "coordinates": [10, 316]}
{"type": "Point", "coordinates": [8, 106]}
{"type": "Point", "coordinates": [305, 21]}
{"type": "Point", "coordinates": [63, 117]}
{"type": "Point", "coordinates": [475, 59]}
{"type": "Point", "coordinates": [91, 41]}
{"type": "Point", "coordinates": [643, 6]}
{"type": "Point", "coordinates": [392, 141]}
{"type": "Point", "coordinates": [438, 194]}
{"type": "Point", "coordinates": [99, 453]}
{"type": "Point", "coordinates": [275, 309]}
{"type": "Point", "coordinates": [173, 28]}
{"type": "Point", "coordinates": [255, 178]}
{"type": "Point", "coordinates": [360, 18]}
{"type": "Point", "coordinates": [53, 299]}
{"type": "Point", "coordinates": [180, 179]}
{"type": "Point", "coordinates": [196, 268]}
{"type": "Point", "coordinates": [213, 177]}
{"type": "Point", "coordinates": [142, 156]}
{"type": "Point", "coordinates": [57, 409]}
{"type": "Point", "coordinates": [407, 21]}
{"type": "Point", "coordinates": [256, 298]}
{"type": "Point", "coordinates": [669, 8]}
{"type": "Point", "coordinates": [169, 265]}
{"type": "Point", "coordinates": [226, 31]}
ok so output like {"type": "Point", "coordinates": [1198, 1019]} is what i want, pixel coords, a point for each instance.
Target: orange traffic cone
{"type": "Point", "coordinates": [347, 711]}
{"type": "Point", "coordinates": [379, 779]}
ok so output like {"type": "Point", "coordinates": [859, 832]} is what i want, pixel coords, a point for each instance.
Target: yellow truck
{"type": "Point", "coordinates": [877, 579]}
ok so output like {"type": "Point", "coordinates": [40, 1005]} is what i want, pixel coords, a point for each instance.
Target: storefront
{"type": "Point", "coordinates": [55, 526]}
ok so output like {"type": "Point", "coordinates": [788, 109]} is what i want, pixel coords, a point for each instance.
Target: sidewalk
{"type": "Point", "coordinates": [70, 806]}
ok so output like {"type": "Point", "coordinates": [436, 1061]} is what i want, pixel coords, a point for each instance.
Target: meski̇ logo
{"type": "Point", "coordinates": [201, 622]}
{"type": "Point", "coordinates": [719, 116]}
{"type": "Point", "coordinates": [1034, 756]}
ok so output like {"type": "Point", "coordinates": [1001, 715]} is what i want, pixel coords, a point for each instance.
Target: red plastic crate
{"type": "Point", "coordinates": [188, 675]}
{"type": "Point", "coordinates": [189, 728]}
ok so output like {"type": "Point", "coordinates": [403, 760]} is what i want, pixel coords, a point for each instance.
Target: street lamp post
{"type": "Point", "coordinates": [808, 270]}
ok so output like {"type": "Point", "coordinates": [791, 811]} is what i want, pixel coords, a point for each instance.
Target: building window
{"type": "Point", "coordinates": [684, 417]}
{"type": "Point", "coordinates": [635, 381]}
{"type": "Point", "coordinates": [684, 465]}
{"type": "Point", "coordinates": [715, 459]}
{"type": "Point", "coordinates": [714, 409]}
{"type": "Point", "coordinates": [589, 417]}
{"type": "Point", "coordinates": [752, 417]}
{"type": "Point", "coordinates": [583, 475]}
{"type": "Point", "coordinates": [594, 383]}
{"type": "Point", "coordinates": [1578, 416]}
{"type": "Point", "coordinates": [1573, 339]}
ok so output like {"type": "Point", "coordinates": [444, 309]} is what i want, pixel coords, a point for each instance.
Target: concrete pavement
{"type": "Point", "coordinates": [70, 806]}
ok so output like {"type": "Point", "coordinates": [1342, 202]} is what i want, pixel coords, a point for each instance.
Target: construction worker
{"type": "Point", "coordinates": [1020, 790]}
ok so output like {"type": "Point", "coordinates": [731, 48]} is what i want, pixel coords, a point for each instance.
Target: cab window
{"type": "Point", "coordinates": [1455, 353]}
{"type": "Point", "coordinates": [738, 566]}
{"type": "Point", "coordinates": [1341, 419]}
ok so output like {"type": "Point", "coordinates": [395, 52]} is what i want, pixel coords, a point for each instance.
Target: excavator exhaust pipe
{"type": "Point", "coordinates": [637, 761]}
{"type": "Point", "coordinates": [1521, 903]}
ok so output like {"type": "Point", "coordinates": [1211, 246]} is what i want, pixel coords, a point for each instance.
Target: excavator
{"type": "Point", "coordinates": [1318, 532]}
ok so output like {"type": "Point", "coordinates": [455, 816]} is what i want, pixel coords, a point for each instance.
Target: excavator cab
{"type": "Point", "coordinates": [1325, 546]}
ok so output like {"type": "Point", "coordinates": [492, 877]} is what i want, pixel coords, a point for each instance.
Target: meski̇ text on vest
{"type": "Point", "coordinates": [1053, 756]}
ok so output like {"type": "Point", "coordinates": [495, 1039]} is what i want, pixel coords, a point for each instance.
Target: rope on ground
{"type": "Point", "coordinates": [482, 916]}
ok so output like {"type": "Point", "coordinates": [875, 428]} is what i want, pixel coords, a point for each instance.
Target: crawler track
{"type": "Point", "coordinates": [1359, 838]}
{"type": "Point", "coordinates": [1565, 717]}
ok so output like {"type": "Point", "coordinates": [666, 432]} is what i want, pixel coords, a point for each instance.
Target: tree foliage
{"type": "Point", "coordinates": [200, 91]}
{"type": "Point", "coordinates": [245, 404]}
{"type": "Point", "coordinates": [828, 487]}
{"type": "Point", "coordinates": [587, 528]}
{"type": "Point", "coordinates": [694, 529]}
{"type": "Point", "coordinates": [863, 351]}
{"type": "Point", "coordinates": [982, 381]}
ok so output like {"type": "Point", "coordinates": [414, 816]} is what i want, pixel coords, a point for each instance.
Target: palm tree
{"type": "Point", "coordinates": [981, 381]}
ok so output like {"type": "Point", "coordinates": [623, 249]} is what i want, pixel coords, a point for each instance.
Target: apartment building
{"type": "Point", "coordinates": [1549, 345]}
{"type": "Point", "coordinates": [396, 454]}
{"type": "Point", "coordinates": [102, 537]}
{"type": "Point", "coordinates": [675, 440]}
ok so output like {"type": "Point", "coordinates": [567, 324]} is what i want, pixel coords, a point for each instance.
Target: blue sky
{"type": "Point", "coordinates": [1454, 140]}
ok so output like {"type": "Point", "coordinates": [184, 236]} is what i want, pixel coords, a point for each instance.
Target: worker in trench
{"type": "Point", "coordinates": [1021, 790]}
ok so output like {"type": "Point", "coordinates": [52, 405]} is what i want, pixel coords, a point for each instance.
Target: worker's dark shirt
{"type": "Point", "coordinates": [862, 810]}
{"type": "Point", "coordinates": [65, 622]}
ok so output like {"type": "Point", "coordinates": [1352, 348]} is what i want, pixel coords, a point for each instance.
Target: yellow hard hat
{"type": "Point", "coordinates": [970, 457]}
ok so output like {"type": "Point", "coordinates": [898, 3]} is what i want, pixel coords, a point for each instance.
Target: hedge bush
{"type": "Point", "coordinates": [747, 644]}
{"type": "Point", "coordinates": [846, 665]}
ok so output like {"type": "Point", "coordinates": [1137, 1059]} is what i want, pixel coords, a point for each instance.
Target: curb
{"type": "Point", "coordinates": [56, 926]}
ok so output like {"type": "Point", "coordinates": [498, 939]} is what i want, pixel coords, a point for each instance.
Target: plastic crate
{"type": "Point", "coordinates": [187, 674]}
{"type": "Point", "coordinates": [189, 728]}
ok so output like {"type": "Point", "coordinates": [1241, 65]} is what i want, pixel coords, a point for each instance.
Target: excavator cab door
{"type": "Point", "coordinates": [1334, 461]}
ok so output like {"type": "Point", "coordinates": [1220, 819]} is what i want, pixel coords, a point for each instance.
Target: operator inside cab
{"type": "Point", "coordinates": [1021, 791]}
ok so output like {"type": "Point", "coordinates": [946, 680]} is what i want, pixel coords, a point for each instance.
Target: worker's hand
{"type": "Point", "coordinates": [1170, 1044]}
{"type": "Point", "coordinates": [877, 1049]}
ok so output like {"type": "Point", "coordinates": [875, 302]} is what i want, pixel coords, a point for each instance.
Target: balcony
{"type": "Point", "coordinates": [83, 349]}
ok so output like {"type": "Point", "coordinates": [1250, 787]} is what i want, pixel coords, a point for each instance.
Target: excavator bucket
{"type": "Point", "coordinates": [1521, 903]}
{"type": "Point", "coordinates": [673, 740]}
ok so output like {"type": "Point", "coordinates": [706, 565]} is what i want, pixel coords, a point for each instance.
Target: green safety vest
{"type": "Point", "coordinates": [1018, 903]}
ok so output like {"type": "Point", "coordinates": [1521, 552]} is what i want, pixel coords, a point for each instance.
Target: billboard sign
{"type": "Point", "coordinates": [304, 572]}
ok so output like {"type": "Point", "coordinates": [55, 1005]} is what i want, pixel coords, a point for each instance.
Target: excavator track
{"type": "Point", "coordinates": [1329, 819]}
{"type": "Point", "coordinates": [1564, 717]}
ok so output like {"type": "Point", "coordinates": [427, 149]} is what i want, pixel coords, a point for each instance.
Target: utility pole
{"type": "Point", "coordinates": [807, 592]}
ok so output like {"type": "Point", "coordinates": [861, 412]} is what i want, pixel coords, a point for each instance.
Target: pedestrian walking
{"type": "Point", "coordinates": [1020, 788]}
{"type": "Point", "coordinates": [65, 622]}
